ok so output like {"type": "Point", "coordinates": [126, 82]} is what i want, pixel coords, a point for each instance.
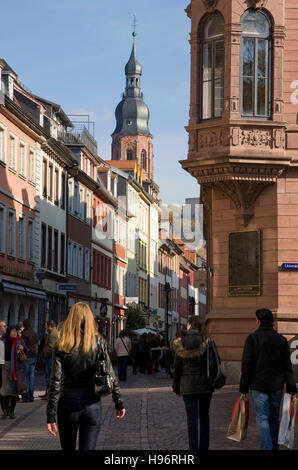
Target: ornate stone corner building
{"type": "Point", "coordinates": [243, 151]}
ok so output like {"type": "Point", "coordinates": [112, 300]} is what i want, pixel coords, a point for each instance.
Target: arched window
{"type": "Point", "coordinates": [212, 52]}
{"type": "Point", "coordinates": [255, 63]}
{"type": "Point", "coordinates": [144, 160]}
{"type": "Point", "coordinates": [129, 155]}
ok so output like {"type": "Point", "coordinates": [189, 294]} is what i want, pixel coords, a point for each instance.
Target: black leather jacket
{"type": "Point", "coordinates": [72, 373]}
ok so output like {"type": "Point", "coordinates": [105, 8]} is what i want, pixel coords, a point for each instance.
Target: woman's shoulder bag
{"type": "Point", "coordinates": [215, 376]}
{"type": "Point", "coordinates": [103, 383]}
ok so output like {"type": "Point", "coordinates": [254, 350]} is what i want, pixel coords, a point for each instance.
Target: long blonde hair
{"type": "Point", "coordinates": [78, 328]}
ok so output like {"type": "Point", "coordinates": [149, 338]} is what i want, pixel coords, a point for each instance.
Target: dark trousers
{"type": "Point", "coordinates": [191, 403]}
{"type": "Point", "coordinates": [122, 367]}
{"type": "Point", "coordinates": [29, 365]}
{"type": "Point", "coordinates": [77, 413]}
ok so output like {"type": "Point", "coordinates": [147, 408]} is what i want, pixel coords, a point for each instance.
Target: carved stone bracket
{"type": "Point", "coordinates": [256, 3]}
{"type": "Point", "coordinates": [241, 184]}
{"type": "Point", "coordinates": [210, 5]}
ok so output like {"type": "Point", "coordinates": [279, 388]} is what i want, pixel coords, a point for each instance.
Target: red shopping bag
{"type": "Point", "coordinates": [239, 420]}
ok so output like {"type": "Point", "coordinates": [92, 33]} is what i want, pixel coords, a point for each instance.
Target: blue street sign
{"type": "Point", "coordinates": [67, 287]}
{"type": "Point", "coordinates": [290, 266]}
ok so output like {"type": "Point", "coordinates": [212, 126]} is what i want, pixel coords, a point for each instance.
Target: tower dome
{"type": "Point", "coordinates": [132, 114]}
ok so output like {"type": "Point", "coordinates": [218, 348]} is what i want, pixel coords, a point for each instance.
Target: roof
{"type": "Point", "coordinates": [57, 109]}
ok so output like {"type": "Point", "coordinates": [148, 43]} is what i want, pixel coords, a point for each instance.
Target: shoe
{"type": "Point", "coordinates": [42, 396]}
{"type": "Point", "coordinates": [21, 401]}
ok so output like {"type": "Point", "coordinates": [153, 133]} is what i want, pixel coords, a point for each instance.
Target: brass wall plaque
{"type": "Point", "coordinates": [244, 263]}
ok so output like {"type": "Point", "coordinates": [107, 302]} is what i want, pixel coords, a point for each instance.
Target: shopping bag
{"type": "Point", "coordinates": [239, 420]}
{"type": "Point", "coordinates": [287, 422]}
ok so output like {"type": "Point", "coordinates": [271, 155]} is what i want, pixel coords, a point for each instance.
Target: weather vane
{"type": "Point", "coordinates": [134, 26]}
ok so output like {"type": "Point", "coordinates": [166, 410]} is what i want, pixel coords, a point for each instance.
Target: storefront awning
{"type": "Point", "coordinates": [13, 288]}
{"type": "Point", "coordinates": [17, 289]}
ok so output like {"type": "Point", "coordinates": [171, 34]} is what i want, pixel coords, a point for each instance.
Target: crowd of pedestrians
{"type": "Point", "coordinates": [70, 353]}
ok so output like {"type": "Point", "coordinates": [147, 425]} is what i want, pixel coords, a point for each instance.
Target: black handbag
{"type": "Point", "coordinates": [215, 376]}
{"type": "Point", "coordinates": [103, 382]}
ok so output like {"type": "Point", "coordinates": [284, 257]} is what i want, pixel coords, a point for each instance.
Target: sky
{"type": "Point", "coordinates": [73, 52]}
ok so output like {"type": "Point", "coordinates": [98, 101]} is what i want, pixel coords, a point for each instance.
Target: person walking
{"type": "Point", "coordinates": [51, 339]}
{"type": "Point", "coordinates": [31, 341]}
{"type": "Point", "coordinates": [190, 381]}
{"type": "Point", "coordinates": [13, 372]}
{"type": "Point", "coordinates": [70, 394]}
{"type": "Point", "coordinates": [266, 368]}
{"type": "Point", "coordinates": [123, 349]}
{"type": "Point", "coordinates": [3, 328]}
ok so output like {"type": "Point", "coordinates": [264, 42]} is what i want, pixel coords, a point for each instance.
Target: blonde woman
{"type": "Point", "coordinates": [71, 394]}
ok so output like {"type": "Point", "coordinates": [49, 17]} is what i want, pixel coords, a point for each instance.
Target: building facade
{"type": "Point", "coordinates": [243, 151]}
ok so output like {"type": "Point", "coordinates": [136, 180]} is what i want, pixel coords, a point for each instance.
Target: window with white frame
{"type": "Point", "coordinates": [81, 202]}
{"type": "Point", "coordinates": [22, 167]}
{"type": "Point", "coordinates": [2, 143]}
{"type": "Point", "coordinates": [12, 151]}
{"type": "Point", "coordinates": [69, 258]}
{"type": "Point", "coordinates": [22, 237]}
{"type": "Point", "coordinates": [121, 281]}
{"type": "Point", "coordinates": [88, 207]}
{"type": "Point", "coordinates": [87, 264]}
{"type": "Point", "coordinates": [76, 198]}
{"type": "Point", "coordinates": [11, 233]}
{"type": "Point", "coordinates": [30, 240]}
{"type": "Point", "coordinates": [32, 166]}
{"type": "Point", "coordinates": [2, 228]}
{"type": "Point", "coordinates": [70, 196]}
{"type": "Point", "coordinates": [80, 262]}
{"type": "Point", "coordinates": [74, 259]}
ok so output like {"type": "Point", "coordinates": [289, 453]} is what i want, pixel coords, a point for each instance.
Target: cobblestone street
{"type": "Point", "coordinates": [155, 420]}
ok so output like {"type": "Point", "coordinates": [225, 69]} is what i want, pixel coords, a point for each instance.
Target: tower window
{"type": "Point", "coordinates": [129, 155]}
{"type": "Point", "coordinates": [255, 63]}
{"type": "Point", "coordinates": [144, 160]}
{"type": "Point", "coordinates": [212, 53]}
{"type": "Point", "coordinates": [129, 122]}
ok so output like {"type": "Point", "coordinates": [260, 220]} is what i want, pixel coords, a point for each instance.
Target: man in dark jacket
{"type": "Point", "coordinates": [31, 341]}
{"type": "Point", "coordinates": [266, 367]}
{"type": "Point", "coordinates": [190, 381]}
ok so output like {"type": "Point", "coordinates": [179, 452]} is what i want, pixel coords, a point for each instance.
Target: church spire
{"type": "Point", "coordinates": [132, 114]}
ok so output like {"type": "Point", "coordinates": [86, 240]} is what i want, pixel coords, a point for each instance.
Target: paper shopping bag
{"type": "Point", "coordinates": [239, 420]}
{"type": "Point", "coordinates": [287, 422]}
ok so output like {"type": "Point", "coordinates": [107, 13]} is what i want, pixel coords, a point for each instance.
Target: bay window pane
{"type": "Point", "coordinates": [262, 58]}
{"type": "Point", "coordinates": [247, 95]}
{"type": "Point", "coordinates": [248, 57]}
{"type": "Point", "coordinates": [219, 59]}
{"type": "Point", "coordinates": [207, 100]}
{"type": "Point", "coordinates": [207, 61]}
{"type": "Point", "coordinates": [218, 97]}
{"type": "Point", "coordinates": [261, 97]}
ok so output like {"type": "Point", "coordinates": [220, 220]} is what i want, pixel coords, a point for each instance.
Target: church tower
{"type": "Point", "coordinates": [131, 139]}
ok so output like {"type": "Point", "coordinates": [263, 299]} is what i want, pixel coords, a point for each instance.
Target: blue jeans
{"type": "Point", "coordinates": [29, 365]}
{"type": "Point", "coordinates": [122, 367]}
{"type": "Point", "coordinates": [77, 412]}
{"type": "Point", "coordinates": [191, 403]}
{"type": "Point", "coordinates": [267, 406]}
